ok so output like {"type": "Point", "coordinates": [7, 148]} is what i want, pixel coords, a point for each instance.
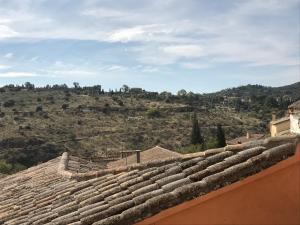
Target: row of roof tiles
{"type": "Point", "coordinates": [52, 194]}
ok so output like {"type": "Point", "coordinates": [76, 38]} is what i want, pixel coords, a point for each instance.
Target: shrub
{"type": "Point", "coordinates": [39, 108]}
{"type": "Point", "coordinates": [153, 113]}
{"type": "Point", "coordinates": [191, 149]}
{"type": "Point", "coordinates": [5, 167]}
{"type": "Point", "coordinates": [9, 103]}
{"type": "Point", "coordinates": [50, 98]}
{"type": "Point", "coordinates": [65, 106]}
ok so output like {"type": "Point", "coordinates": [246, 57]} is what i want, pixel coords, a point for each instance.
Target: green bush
{"type": "Point", "coordinates": [211, 143]}
{"type": "Point", "coordinates": [65, 106]}
{"type": "Point", "coordinates": [153, 113]}
{"type": "Point", "coordinates": [5, 167]}
{"type": "Point", "coordinates": [191, 149]}
{"type": "Point", "coordinates": [39, 108]}
{"type": "Point", "coordinates": [9, 103]}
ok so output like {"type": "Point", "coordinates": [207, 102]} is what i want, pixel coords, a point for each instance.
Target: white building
{"type": "Point", "coordinates": [294, 111]}
{"type": "Point", "coordinates": [286, 125]}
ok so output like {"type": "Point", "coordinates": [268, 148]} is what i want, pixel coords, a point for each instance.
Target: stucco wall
{"type": "Point", "coordinates": [294, 118]}
{"type": "Point", "coordinates": [279, 127]}
{"type": "Point", "coordinates": [269, 197]}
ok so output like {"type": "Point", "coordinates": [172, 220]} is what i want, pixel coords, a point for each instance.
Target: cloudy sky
{"type": "Point", "coordinates": [198, 45]}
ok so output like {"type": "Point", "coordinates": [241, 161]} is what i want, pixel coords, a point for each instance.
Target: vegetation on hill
{"type": "Point", "coordinates": [37, 124]}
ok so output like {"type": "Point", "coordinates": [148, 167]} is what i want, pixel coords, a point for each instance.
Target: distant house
{"type": "Point", "coordinates": [136, 90]}
{"type": "Point", "coordinates": [287, 125]}
{"type": "Point", "coordinates": [280, 126]}
{"type": "Point", "coordinates": [155, 153]}
{"type": "Point", "coordinates": [294, 111]}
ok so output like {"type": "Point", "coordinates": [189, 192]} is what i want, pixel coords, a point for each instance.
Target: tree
{"type": "Point", "coordinates": [196, 137]}
{"type": "Point", "coordinates": [182, 92]}
{"type": "Point", "coordinates": [76, 85]}
{"type": "Point", "coordinates": [125, 88]}
{"type": "Point", "coordinates": [29, 86]}
{"type": "Point", "coordinates": [221, 141]}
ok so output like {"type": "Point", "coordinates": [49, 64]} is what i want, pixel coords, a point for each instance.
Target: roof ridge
{"type": "Point", "coordinates": [63, 163]}
{"type": "Point", "coordinates": [124, 194]}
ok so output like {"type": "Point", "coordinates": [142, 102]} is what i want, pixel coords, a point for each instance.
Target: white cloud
{"type": "Point", "coordinates": [17, 74]}
{"type": "Point", "coordinates": [2, 67]}
{"type": "Point", "coordinates": [34, 59]}
{"type": "Point", "coordinates": [187, 51]}
{"type": "Point", "coordinates": [8, 55]}
{"type": "Point", "coordinates": [115, 68]}
{"type": "Point", "coordinates": [144, 33]}
{"type": "Point", "coordinates": [126, 35]}
{"type": "Point", "coordinates": [150, 69]}
{"type": "Point", "coordinates": [253, 32]}
{"type": "Point", "coordinates": [75, 72]}
{"type": "Point", "coordinates": [195, 66]}
{"type": "Point", "coordinates": [277, 78]}
{"type": "Point", "coordinates": [104, 13]}
{"type": "Point", "coordinates": [7, 32]}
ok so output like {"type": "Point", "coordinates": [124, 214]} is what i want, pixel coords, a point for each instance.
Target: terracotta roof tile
{"type": "Point", "coordinates": [148, 155]}
{"type": "Point", "coordinates": [51, 193]}
{"type": "Point", "coordinates": [295, 105]}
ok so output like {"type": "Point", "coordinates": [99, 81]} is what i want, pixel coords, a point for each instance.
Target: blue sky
{"type": "Point", "coordinates": [198, 45]}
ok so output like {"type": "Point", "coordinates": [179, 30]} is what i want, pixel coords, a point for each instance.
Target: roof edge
{"type": "Point", "coordinates": [269, 142]}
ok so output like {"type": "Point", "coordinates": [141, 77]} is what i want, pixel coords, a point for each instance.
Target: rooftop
{"type": "Point", "coordinates": [52, 193]}
{"type": "Point", "coordinates": [148, 155]}
{"type": "Point", "coordinates": [281, 120]}
{"type": "Point", "coordinates": [295, 105]}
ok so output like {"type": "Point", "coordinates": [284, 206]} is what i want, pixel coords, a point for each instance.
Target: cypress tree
{"type": "Point", "coordinates": [221, 141]}
{"type": "Point", "coordinates": [196, 137]}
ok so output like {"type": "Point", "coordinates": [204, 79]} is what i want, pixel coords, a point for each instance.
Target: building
{"type": "Point", "coordinates": [280, 126]}
{"type": "Point", "coordinates": [294, 111]}
{"type": "Point", "coordinates": [148, 155]}
{"type": "Point", "coordinates": [288, 124]}
{"type": "Point", "coordinates": [251, 183]}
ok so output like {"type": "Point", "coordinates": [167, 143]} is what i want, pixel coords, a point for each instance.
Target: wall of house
{"type": "Point", "coordinates": [279, 127]}
{"type": "Point", "coordinates": [269, 197]}
{"type": "Point", "coordinates": [295, 124]}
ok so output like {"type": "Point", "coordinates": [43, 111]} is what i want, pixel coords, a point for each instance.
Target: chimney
{"type": "Point", "coordinates": [287, 114]}
{"type": "Point", "coordinates": [138, 156]}
{"type": "Point", "coordinates": [248, 135]}
{"type": "Point", "coordinates": [273, 116]}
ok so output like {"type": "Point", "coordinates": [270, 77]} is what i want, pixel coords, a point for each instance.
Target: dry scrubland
{"type": "Point", "coordinates": [42, 123]}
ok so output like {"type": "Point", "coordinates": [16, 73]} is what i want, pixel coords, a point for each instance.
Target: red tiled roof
{"type": "Point", "coordinates": [148, 155]}
{"type": "Point", "coordinates": [50, 193]}
{"type": "Point", "coordinates": [295, 105]}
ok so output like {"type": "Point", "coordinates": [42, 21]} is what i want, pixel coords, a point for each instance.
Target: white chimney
{"type": "Point", "coordinates": [248, 135]}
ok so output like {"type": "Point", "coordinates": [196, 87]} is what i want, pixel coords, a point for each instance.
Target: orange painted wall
{"type": "Point", "coordinates": [269, 197]}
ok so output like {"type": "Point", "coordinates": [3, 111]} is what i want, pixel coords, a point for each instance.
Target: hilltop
{"type": "Point", "coordinates": [38, 124]}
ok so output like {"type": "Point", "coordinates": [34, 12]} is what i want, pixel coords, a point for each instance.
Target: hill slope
{"type": "Point", "coordinates": [37, 124]}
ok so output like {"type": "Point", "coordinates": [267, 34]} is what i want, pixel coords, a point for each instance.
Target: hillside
{"type": "Point", "coordinates": [37, 124]}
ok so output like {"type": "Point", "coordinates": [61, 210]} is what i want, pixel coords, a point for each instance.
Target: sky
{"type": "Point", "coordinates": [197, 45]}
